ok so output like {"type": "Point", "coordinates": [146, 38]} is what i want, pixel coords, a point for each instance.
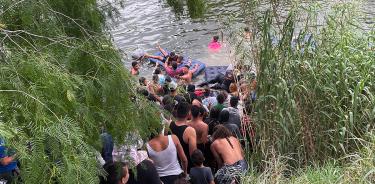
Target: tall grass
{"type": "Point", "coordinates": [317, 95]}
{"type": "Point", "coordinates": [315, 85]}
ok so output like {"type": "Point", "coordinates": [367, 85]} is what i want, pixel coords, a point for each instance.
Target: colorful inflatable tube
{"type": "Point", "coordinates": [201, 67]}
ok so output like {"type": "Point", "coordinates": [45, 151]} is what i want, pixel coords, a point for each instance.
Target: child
{"type": "Point", "coordinates": [214, 45]}
{"type": "Point", "coordinates": [135, 68]}
{"type": "Point", "coordinates": [200, 174]}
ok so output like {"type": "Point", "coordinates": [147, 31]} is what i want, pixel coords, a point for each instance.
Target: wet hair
{"type": "Point", "coordinates": [246, 29]}
{"type": "Point", "coordinates": [116, 171]}
{"type": "Point", "coordinates": [180, 58]}
{"type": "Point", "coordinates": [190, 88]}
{"type": "Point", "coordinates": [233, 101]}
{"type": "Point", "coordinates": [215, 113]}
{"type": "Point", "coordinates": [174, 65]}
{"type": "Point", "coordinates": [182, 110]}
{"type": "Point", "coordinates": [220, 98]}
{"type": "Point", "coordinates": [216, 38]}
{"type": "Point", "coordinates": [155, 78]}
{"type": "Point", "coordinates": [142, 81]}
{"type": "Point", "coordinates": [224, 116]}
{"type": "Point", "coordinates": [221, 132]}
{"type": "Point", "coordinates": [197, 111]}
{"type": "Point", "coordinates": [197, 157]}
{"type": "Point", "coordinates": [173, 56]}
{"type": "Point", "coordinates": [134, 63]}
{"type": "Point", "coordinates": [157, 71]}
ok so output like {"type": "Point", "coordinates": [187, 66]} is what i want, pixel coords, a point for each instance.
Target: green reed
{"type": "Point", "coordinates": [316, 96]}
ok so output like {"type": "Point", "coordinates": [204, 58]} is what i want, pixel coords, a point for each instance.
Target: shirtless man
{"type": "Point", "coordinates": [185, 134]}
{"type": "Point", "coordinates": [229, 155]}
{"type": "Point", "coordinates": [188, 74]}
{"type": "Point", "coordinates": [165, 56]}
{"type": "Point", "coordinates": [200, 127]}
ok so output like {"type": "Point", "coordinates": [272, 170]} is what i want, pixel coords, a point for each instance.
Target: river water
{"type": "Point", "coordinates": [187, 26]}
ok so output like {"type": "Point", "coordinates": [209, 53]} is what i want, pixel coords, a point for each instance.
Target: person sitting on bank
{"type": "Point", "coordinates": [200, 174]}
{"type": "Point", "coordinates": [229, 155]}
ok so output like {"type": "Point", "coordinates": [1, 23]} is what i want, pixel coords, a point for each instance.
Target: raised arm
{"type": "Point", "coordinates": [181, 154]}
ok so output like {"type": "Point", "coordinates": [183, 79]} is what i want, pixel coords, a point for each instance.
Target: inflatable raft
{"type": "Point", "coordinates": [212, 71]}
{"type": "Point", "coordinates": [201, 67]}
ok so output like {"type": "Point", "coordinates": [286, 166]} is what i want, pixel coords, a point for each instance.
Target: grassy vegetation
{"type": "Point", "coordinates": [61, 80]}
{"type": "Point", "coordinates": [315, 112]}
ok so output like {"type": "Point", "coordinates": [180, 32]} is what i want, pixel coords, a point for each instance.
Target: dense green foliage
{"type": "Point", "coordinates": [61, 81]}
{"type": "Point", "coordinates": [316, 98]}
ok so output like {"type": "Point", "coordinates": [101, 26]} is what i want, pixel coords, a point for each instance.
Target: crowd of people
{"type": "Point", "coordinates": [205, 127]}
{"type": "Point", "coordinates": [203, 133]}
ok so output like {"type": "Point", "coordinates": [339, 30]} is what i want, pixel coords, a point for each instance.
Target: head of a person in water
{"type": "Point", "coordinates": [157, 71]}
{"type": "Point", "coordinates": [216, 38]}
{"type": "Point", "coordinates": [142, 81]}
{"type": "Point", "coordinates": [182, 110]}
{"type": "Point", "coordinates": [180, 59]}
{"type": "Point", "coordinates": [246, 29]}
{"type": "Point", "coordinates": [174, 65]}
{"type": "Point", "coordinates": [185, 69]}
{"type": "Point", "coordinates": [221, 132]}
{"type": "Point", "coordinates": [135, 65]}
{"type": "Point", "coordinates": [173, 56]}
{"type": "Point", "coordinates": [118, 173]}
